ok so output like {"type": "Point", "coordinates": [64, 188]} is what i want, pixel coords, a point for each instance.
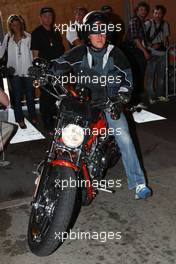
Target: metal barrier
{"type": "Point", "coordinates": [171, 71]}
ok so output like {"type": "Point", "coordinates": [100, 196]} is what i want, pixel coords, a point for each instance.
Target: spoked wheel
{"type": "Point", "coordinates": [52, 210]}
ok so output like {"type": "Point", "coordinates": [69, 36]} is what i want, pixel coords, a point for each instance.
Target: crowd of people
{"type": "Point", "coordinates": [144, 44]}
{"type": "Point", "coordinates": [93, 52]}
{"type": "Point", "coordinates": [22, 48]}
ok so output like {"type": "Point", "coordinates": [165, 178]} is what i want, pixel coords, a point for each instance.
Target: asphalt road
{"type": "Point", "coordinates": [148, 228]}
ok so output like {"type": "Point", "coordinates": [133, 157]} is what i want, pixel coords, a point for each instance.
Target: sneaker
{"type": "Point", "coordinates": [163, 99]}
{"type": "Point", "coordinates": [142, 192]}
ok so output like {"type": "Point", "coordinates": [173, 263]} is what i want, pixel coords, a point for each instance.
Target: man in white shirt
{"type": "Point", "coordinates": [73, 34]}
{"type": "Point", "coordinates": [157, 31]}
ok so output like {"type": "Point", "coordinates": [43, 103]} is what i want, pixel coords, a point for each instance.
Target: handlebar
{"type": "Point", "coordinates": [5, 72]}
{"type": "Point", "coordinates": [111, 105]}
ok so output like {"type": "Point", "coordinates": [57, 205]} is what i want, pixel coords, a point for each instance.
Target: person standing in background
{"type": "Point", "coordinates": [74, 32]}
{"type": "Point", "coordinates": [135, 49]}
{"type": "Point", "coordinates": [158, 33]}
{"type": "Point", "coordinates": [17, 42]}
{"type": "Point", "coordinates": [46, 43]}
{"type": "Point", "coordinates": [116, 35]}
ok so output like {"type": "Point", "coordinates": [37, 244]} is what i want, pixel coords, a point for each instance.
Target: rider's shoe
{"type": "Point", "coordinates": [142, 192]}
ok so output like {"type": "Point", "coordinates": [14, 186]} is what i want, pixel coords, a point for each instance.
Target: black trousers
{"type": "Point", "coordinates": [138, 66]}
{"type": "Point", "coordinates": [47, 108]}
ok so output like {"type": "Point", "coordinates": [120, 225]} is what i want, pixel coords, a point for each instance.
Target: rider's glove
{"type": "Point", "coordinates": [116, 110]}
{"type": "Point", "coordinates": [123, 95]}
{"type": "Point", "coordinates": [123, 98]}
{"type": "Point", "coordinates": [35, 72]}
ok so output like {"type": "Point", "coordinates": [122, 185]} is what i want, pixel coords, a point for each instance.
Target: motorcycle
{"type": "Point", "coordinates": [79, 156]}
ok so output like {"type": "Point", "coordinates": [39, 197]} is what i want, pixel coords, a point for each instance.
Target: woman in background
{"type": "Point", "coordinates": [17, 42]}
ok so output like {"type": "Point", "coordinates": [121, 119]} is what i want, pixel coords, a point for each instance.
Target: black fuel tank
{"type": "Point", "coordinates": [72, 107]}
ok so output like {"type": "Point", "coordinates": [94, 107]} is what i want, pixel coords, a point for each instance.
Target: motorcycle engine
{"type": "Point", "coordinates": [98, 161]}
{"type": "Point", "coordinates": [104, 155]}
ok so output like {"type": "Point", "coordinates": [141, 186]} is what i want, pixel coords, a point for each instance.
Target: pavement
{"type": "Point", "coordinates": [147, 228]}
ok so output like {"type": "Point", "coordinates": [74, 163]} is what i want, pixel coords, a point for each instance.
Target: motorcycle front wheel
{"type": "Point", "coordinates": [52, 211]}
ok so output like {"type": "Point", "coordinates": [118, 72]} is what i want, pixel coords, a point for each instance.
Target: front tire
{"type": "Point", "coordinates": [52, 211]}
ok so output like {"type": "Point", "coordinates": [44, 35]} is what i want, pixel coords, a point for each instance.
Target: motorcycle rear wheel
{"type": "Point", "coordinates": [50, 220]}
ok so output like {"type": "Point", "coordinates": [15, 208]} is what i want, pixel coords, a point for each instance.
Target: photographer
{"type": "Point", "coordinates": [135, 49]}
{"type": "Point", "coordinates": [158, 32]}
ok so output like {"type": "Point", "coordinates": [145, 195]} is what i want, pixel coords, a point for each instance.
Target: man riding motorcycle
{"type": "Point", "coordinates": [98, 58]}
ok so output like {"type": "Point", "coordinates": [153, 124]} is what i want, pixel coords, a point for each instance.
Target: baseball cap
{"type": "Point", "coordinates": [106, 9]}
{"type": "Point", "coordinates": [44, 10]}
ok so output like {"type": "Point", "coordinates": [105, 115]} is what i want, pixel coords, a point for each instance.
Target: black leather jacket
{"type": "Point", "coordinates": [113, 75]}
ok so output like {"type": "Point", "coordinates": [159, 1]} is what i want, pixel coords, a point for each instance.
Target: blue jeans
{"type": "Point", "coordinates": [155, 76]}
{"type": "Point", "coordinates": [23, 86]}
{"type": "Point", "coordinates": [134, 172]}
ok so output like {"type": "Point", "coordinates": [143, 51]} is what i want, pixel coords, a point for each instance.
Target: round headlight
{"type": "Point", "coordinates": [73, 135]}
